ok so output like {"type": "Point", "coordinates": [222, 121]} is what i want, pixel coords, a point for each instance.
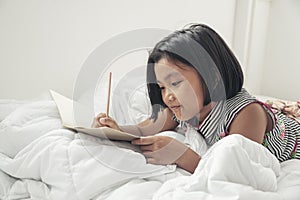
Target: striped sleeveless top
{"type": "Point", "coordinates": [282, 141]}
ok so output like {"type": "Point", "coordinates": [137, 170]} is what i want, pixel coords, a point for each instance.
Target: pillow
{"type": "Point", "coordinates": [131, 106]}
{"type": "Point", "coordinates": [129, 102]}
{"type": "Point", "coordinates": [8, 105]}
{"type": "Point", "coordinates": [27, 123]}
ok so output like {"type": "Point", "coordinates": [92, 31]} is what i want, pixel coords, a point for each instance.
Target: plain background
{"type": "Point", "coordinates": [43, 43]}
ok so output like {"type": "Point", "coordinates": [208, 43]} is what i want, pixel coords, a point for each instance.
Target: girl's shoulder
{"type": "Point", "coordinates": [232, 107]}
{"type": "Point", "coordinates": [243, 95]}
{"type": "Point", "coordinates": [239, 101]}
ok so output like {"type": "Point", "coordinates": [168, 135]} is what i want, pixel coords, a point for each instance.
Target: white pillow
{"type": "Point", "coordinates": [131, 106]}
{"type": "Point", "coordinates": [27, 123]}
{"type": "Point", "coordinates": [129, 102]}
{"type": "Point", "coordinates": [9, 105]}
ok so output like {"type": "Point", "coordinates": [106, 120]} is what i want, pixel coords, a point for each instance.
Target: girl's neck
{"type": "Point", "coordinates": [205, 111]}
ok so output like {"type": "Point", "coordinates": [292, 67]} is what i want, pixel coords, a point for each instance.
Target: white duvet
{"type": "Point", "coordinates": [40, 160]}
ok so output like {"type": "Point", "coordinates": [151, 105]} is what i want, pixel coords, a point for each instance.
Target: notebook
{"type": "Point", "coordinates": [66, 110]}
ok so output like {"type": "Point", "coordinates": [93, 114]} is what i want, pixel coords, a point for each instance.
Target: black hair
{"type": "Point", "coordinates": [200, 47]}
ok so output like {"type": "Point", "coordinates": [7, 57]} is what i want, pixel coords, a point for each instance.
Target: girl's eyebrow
{"type": "Point", "coordinates": [170, 75]}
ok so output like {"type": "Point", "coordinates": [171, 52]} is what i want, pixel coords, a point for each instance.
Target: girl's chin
{"type": "Point", "coordinates": [178, 116]}
{"type": "Point", "coordinates": [182, 118]}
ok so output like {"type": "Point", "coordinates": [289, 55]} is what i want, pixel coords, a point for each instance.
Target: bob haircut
{"type": "Point", "coordinates": [200, 47]}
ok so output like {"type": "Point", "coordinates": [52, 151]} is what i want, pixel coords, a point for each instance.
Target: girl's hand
{"type": "Point", "coordinates": [102, 120]}
{"type": "Point", "coordinates": [161, 150]}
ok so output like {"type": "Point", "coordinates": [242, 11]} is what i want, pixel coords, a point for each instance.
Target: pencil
{"type": "Point", "coordinates": [108, 94]}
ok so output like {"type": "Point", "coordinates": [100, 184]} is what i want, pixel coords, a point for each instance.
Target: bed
{"type": "Point", "coordinates": [41, 160]}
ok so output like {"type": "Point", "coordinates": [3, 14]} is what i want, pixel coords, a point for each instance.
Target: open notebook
{"type": "Point", "coordinates": [66, 110]}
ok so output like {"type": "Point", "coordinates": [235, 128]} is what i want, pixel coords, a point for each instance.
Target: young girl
{"type": "Point", "coordinates": [195, 80]}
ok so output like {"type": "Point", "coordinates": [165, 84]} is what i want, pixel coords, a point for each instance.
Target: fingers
{"type": "Point", "coordinates": [160, 149]}
{"type": "Point", "coordinates": [96, 122]}
{"type": "Point", "coordinates": [106, 121]}
{"type": "Point", "coordinates": [100, 115]}
{"type": "Point", "coordinates": [147, 144]}
{"type": "Point", "coordinates": [144, 140]}
{"type": "Point", "coordinates": [146, 148]}
{"type": "Point", "coordinates": [151, 143]}
{"type": "Point", "coordinates": [102, 120]}
{"type": "Point", "coordinates": [151, 161]}
{"type": "Point", "coordinates": [153, 158]}
{"type": "Point", "coordinates": [149, 156]}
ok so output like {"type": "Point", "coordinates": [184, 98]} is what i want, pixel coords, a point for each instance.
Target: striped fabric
{"type": "Point", "coordinates": [282, 141]}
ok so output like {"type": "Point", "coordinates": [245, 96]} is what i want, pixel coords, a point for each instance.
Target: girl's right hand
{"type": "Point", "coordinates": [102, 120]}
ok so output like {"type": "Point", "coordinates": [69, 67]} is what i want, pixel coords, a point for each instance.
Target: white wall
{"type": "Point", "coordinates": [272, 45]}
{"type": "Point", "coordinates": [281, 74]}
{"type": "Point", "coordinates": [255, 48]}
{"type": "Point", "coordinates": [44, 43]}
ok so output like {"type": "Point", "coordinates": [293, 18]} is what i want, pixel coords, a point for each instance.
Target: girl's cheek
{"type": "Point", "coordinates": [163, 97]}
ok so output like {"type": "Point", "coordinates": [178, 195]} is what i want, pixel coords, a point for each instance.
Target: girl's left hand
{"type": "Point", "coordinates": [162, 150]}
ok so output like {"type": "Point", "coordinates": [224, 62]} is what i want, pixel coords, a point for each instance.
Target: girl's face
{"type": "Point", "coordinates": [181, 88]}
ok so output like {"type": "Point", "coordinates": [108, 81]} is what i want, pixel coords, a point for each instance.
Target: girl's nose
{"type": "Point", "coordinates": [170, 95]}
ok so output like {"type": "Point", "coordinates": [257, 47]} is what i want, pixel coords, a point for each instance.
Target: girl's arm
{"type": "Point", "coordinates": [164, 150]}
{"type": "Point", "coordinates": [189, 160]}
{"type": "Point", "coordinates": [252, 122]}
{"type": "Point", "coordinates": [148, 127]}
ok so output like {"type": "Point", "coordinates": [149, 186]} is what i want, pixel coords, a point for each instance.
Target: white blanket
{"type": "Point", "coordinates": [234, 168]}
{"type": "Point", "coordinates": [77, 166]}
{"type": "Point", "coordinates": [59, 164]}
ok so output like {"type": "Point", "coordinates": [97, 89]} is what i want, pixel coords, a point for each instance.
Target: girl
{"type": "Point", "coordinates": [194, 80]}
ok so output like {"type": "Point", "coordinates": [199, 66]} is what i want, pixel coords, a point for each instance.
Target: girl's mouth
{"type": "Point", "coordinates": [174, 108]}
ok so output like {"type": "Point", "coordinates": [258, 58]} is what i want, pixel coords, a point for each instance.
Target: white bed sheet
{"type": "Point", "coordinates": [53, 163]}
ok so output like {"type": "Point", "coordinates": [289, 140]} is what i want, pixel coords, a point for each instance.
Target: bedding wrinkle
{"type": "Point", "coordinates": [60, 144]}
{"type": "Point", "coordinates": [233, 169]}
{"type": "Point", "coordinates": [43, 160]}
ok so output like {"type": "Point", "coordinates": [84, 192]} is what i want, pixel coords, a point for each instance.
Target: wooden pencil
{"type": "Point", "coordinates": [108, 94]}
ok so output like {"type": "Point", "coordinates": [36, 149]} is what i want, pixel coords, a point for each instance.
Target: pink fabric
{"type": "Point", "coordinates": [289, 108]}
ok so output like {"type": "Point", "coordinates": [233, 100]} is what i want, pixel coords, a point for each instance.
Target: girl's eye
{"type": "Point", "coordinates": [161, 87]}
{"type": "Point", "coordinates": [176, 83]}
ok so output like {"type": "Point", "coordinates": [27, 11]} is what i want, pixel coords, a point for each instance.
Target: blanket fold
{"type": "Point", "coordinates": [233, 168]}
